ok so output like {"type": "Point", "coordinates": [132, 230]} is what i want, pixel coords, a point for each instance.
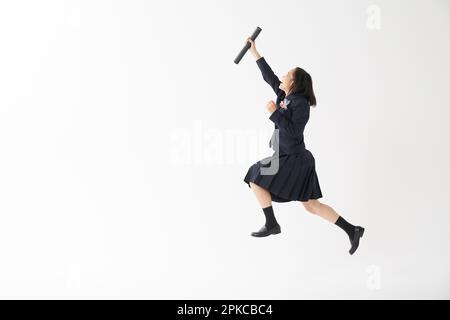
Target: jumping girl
{"type": "Point", "coordinates": [295, 178]}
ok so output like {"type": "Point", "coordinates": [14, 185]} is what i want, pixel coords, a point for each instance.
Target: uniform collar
{"type": "Point", "coordinates": [294, 96]}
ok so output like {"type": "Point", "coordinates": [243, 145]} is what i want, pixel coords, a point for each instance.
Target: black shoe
{"type": "Point", "coordinates": [359, 231]}
{"type": "Point", "coordinates": [264, 231]}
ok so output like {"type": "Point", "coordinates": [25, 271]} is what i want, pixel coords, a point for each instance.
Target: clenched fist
{"type": "Point", "coordinates": [271, 106]}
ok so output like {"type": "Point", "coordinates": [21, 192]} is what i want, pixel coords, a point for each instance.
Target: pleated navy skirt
{"type": "Point", "coordinates": [295, 180]}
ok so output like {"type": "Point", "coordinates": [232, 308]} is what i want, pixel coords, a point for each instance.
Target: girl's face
{"type": "Point", "coordinates": [287, 81]}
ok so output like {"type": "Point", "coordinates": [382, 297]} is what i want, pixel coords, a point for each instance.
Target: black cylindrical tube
{"type": "Point", "coordinates": [247, 45]}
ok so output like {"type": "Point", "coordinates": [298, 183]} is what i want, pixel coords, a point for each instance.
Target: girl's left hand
{"type": "Point", "coordinates": [271, 106]}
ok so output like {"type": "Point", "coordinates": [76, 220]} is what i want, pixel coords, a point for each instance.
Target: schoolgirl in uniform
{"type": "Point", "coordinates": [295, 177]}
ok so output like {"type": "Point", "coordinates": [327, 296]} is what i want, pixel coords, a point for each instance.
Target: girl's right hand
{"type": "Point", "coordinates": [252, 45]}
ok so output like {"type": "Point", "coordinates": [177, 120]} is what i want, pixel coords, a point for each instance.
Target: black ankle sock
{"type": "Point", "coordinates": [270, 217]}
{"type": "Point", "coordinates": [347, 227]}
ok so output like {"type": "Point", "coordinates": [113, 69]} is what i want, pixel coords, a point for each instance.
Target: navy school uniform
{"type": "Point", "coordinates": [296, 178]}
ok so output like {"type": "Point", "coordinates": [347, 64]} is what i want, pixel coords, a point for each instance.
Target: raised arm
{"type": "Point", "coordinates": [267, 72]}
{"type": "Point", "coordinates": [269, 76]}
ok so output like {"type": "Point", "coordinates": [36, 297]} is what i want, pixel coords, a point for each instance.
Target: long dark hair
{"type": "Point", "coordinates": [303, 85]}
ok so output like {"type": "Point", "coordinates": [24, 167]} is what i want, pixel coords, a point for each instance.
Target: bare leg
{"type": "Point", "coordinates": [263, 196]}
{"type": "Point", "coordinates": [328, 213]}
{"type": "Point", "coordinates": [321, 209]}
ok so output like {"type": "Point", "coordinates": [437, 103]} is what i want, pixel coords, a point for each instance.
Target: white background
{"type": "Point", "coordinates": [103, 102]}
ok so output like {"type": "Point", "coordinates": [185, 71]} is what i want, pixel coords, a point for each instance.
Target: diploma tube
{"type": "Point", "coordinates": [247, 45]}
